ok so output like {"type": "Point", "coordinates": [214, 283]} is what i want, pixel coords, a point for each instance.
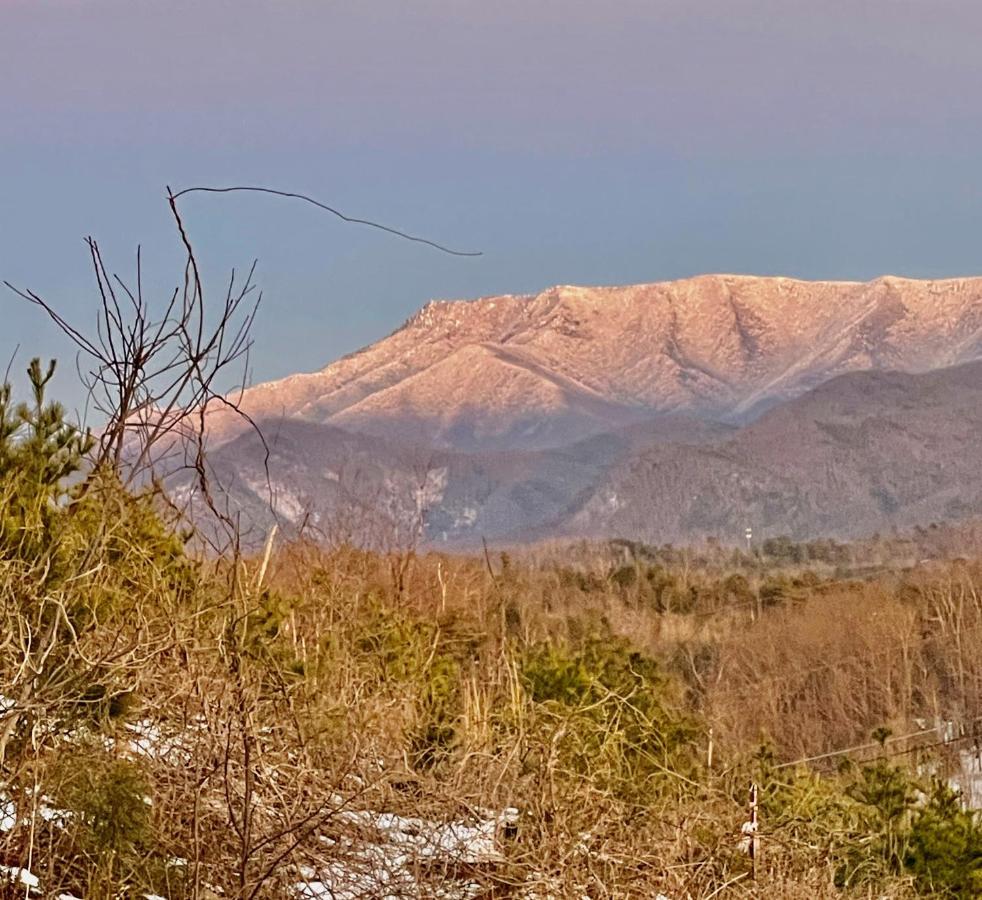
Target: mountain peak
{"type": "Point", "coordinates": [714, 346]}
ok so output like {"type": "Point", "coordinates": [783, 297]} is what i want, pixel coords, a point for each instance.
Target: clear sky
{"type": "Point", "coordinates": [572, 142]}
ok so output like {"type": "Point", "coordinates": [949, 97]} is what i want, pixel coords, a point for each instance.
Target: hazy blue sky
{"type": "Point", "coordinates": [573, 142]}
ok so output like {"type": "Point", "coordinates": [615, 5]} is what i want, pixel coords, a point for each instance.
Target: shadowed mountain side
{"type": "Point", "coordinates": [318, 480]}
{"type": "Point", "coordinates": [342, 486]}
{"type": "Point", "coordinates": [861, 453]}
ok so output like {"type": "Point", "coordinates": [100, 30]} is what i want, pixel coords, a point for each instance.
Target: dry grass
{"type": "Point", "coordinates": [562, 690]}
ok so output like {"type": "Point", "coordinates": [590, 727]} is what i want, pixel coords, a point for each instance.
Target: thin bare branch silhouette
{"type": "Point", "coordinates": [345, 218]}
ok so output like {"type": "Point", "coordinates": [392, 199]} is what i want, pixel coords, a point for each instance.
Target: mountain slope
{"type": "Point", "coordinates": [539, 371]}
{"type": "Point", "coordinates": [446, 404]}
{"type": "Point", "coordinates": [863, 452]}
{"type": "Point", "coordinates": [345, 486]}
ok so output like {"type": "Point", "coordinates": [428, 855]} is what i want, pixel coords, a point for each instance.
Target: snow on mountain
{"type": "Point", "coordinates": [658, 411]}
{"type": "Point", "coordinates": [544, 370]}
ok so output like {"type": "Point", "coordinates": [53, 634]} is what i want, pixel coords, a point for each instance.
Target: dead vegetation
{"type": "Point", "coordinates": [275, 726]}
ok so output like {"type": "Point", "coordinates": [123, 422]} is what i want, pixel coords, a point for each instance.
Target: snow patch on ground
{"type": "Point", "coordinates": [18, 876]}
{"type": "Point", "coordinates": [366, 854]}
{"type": "Point", "coordinates": [386, 862]}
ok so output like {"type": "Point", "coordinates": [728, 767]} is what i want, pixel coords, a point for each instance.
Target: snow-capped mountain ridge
{"type": "Point", "coordinates": [540, 370]}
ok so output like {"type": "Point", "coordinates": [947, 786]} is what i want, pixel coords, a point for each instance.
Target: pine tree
{"type": "Point", "coordinates": [39, 452]}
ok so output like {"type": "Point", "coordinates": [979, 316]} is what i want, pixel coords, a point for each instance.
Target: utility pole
{"type": "Point", "coordinates": [749, 533]}
{"type": "Point", "coordinates": [751, 828]}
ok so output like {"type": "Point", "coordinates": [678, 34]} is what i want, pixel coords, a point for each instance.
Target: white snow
{"type": "Point", "coordinates": [9, 817]}
{"type": "Point", "coordinates": [8, 814]}
{"type": "Point", "coordinates": [385, 864]}
{"type": "Point", "coordinates": [370, 854]}
{"type": "Point", "coordinates": [17, 875]}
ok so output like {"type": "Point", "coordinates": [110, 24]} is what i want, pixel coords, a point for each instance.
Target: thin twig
{"type": "Point", "coordinates": [345, 218]}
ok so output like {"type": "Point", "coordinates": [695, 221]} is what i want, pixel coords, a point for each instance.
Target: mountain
{"type": "Point", "coordinates": [543, 371]}
{"type": "Point", "coordinates": [660, 412]}
{"type": "Point", "coordinates": [343, 486]}
{"type": "Point", "coordinates": [863, 452]}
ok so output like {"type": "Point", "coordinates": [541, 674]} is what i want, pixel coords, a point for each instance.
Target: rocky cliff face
{"type": "Point", "coordinates": [542, 371]}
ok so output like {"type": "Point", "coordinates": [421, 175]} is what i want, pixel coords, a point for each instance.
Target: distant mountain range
{"type": "Point", "coordinates": [656, 412]}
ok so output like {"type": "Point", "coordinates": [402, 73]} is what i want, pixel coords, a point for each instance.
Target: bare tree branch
{"type": "Point", "coordinates": [345, 218]}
